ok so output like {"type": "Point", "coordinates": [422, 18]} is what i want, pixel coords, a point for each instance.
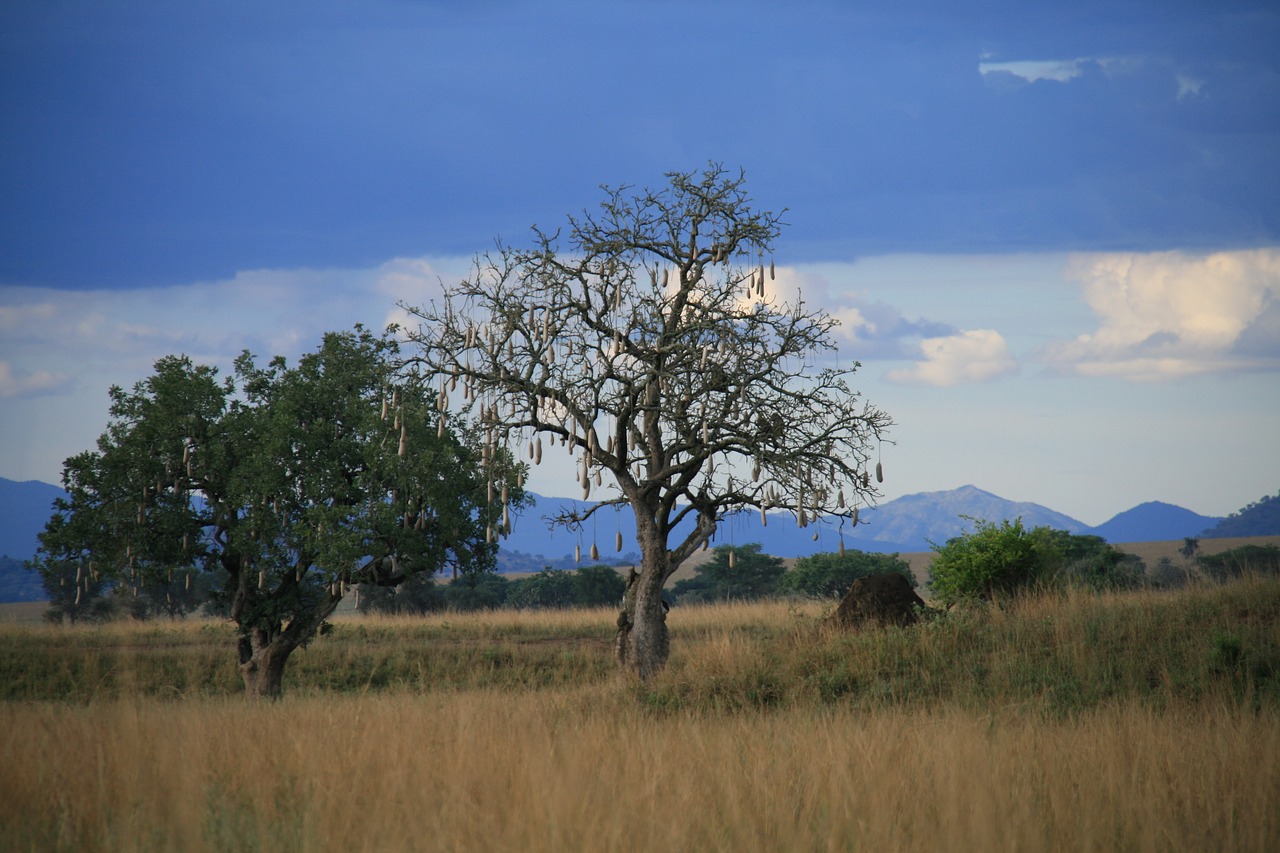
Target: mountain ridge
{"type": "Point", "coordinates": [907, 524]}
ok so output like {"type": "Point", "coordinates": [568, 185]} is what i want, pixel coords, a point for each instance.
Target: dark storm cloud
{"type": "Point", "coordinates": [154, 143]}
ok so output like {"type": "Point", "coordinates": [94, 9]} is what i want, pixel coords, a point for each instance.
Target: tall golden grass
{"type": "Point", "coordinates": [561, 769]}
{"type": "Point", "coordinates": [1142, 721]}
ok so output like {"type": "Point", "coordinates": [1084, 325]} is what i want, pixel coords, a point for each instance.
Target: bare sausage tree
{"type": "Point", "coordinates": [646, 342]}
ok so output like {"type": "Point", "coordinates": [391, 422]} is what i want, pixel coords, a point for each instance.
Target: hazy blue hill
{"type": "Point", "coordinates": [903, 525]}
{"type": "Point", "coordinates": [1153, 521]}
{"type": "Point", "coordinates": [24, 509]}
{"type": "Point", "coordinates": [1261, 518]}
{"type": "Point", "coordinates": [916, 520]}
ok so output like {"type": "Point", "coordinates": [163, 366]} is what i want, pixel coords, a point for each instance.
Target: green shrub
{"type": "Point", "coordinates": [549, 588]}
{"type": "Point", "coordinates": [476, 591]}
{"type": "Point", "coordinates": [829, 575]}
{"type": "Point", "coordinates": [992, 561]}
{"type": "Point", "coordinates": [1087, 561]}
{"type": "Point", "coordinates": [597, 586]}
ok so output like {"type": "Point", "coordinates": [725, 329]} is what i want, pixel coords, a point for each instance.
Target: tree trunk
{"type": "Point", "coordinates": [262, 661]}
{"type": "Point", "coordinates": [643, 644]}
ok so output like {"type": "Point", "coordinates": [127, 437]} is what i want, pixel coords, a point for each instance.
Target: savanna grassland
{"type": "Point", "coordinates": [1143, 720]}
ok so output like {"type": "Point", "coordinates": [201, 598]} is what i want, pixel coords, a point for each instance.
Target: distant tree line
{"type": "Point", "coordinates": [589, 586]}
{"type": "Point", "coordinates": [991, 561]}
{"type": "Point", "coordinates": [1260, 518]}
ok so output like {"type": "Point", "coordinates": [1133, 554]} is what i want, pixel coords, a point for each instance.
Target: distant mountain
{"type": "Point", "coordinates": [916, 520]}
{"type": "Point", "coordinates": [24, 509]}
{"type": "Point", "coordinates": [1261, 518]}
{"type": "Point", "coordinates": [904, 525]}
{"type": "Point", "coordinates": [1153, 522]}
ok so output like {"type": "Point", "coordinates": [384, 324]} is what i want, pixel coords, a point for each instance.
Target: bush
{"type": "Point", "coordinates": [549, 588]}
{"type": "Point", "coordinates": [830, 575]}
{"type": "Point", "coordinates": [597, 586]}
{"type": "Point", "coordinates": [476, 591]}
{"type": "Point", "coordinates": [1087, 561]}
{"type": "Point", "coordinates": [1247, 559]}
{"type": "Point", "coordinates": [992, 561]}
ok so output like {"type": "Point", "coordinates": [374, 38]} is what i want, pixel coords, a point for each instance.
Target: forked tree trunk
{"type": "Point", "coordinates": [262, 663]}
{"type": "Point", "coordinates": [642, 643]}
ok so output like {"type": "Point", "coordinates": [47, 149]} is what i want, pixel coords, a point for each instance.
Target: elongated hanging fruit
{"type": "Point", "coordinates": [731, 558]}
{"type": "Point", "coordinates": [879, 473]}
{"type": "Point", "coordinates": [619, 540]}
{"type": "Point", "coordinates": [771, 275]}
{"type": "Point", "coordinates": [577, 553]}
{"type": "Point", "coordinates": [595, 552]}
{"type": "Point", "coordinates": [764, 518]}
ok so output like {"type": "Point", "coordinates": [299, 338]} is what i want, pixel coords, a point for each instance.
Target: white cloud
{"type": "Point", "coordinates": [1188, 86]}
{"type": "Point", "coordinates": [76, 344]}
{"type": "Point", "coordinates": [1058, 70]}
{"type": "Point", "coordinates": [29, 384]}
{"type": "Point", "coordinates": [1168, 315]}
{"type": "Point", "coordinates": [975, 355]}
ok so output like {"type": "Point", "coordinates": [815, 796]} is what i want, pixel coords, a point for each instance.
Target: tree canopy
{"type": "Point", "coordinates": [292, 482]}
{"type": "Point", "coordinates": [649, 341]}
{"type": "Point", "coordinates": [734, 573]}
{"type": "Point", "coordinates": [829, 575]}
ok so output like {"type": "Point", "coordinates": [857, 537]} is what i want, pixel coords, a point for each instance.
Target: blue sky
{"type": "Point", "coordinates": [1052, 230]}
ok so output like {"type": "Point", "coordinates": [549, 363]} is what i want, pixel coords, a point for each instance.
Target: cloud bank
{"type": "Point", "coordinates": [1170, 315]}
{"type": "Point", "coordinates": [976, 355]}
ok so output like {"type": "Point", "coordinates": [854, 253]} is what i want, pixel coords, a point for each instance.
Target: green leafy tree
{"type": "Point", "coordinates": [734, 573]}
{"type": "Point", "coordinates": [648, 341]}
{"type": "Point", "coordinates": [476, 591]}
{"type": "Point", "coordinates": [1086, 561]}
{"type": "Point", "coordinates": [548, 589]}
{"type": "Point", "coordinates": [993, 560]}
{"type": "Point", "coordinates": [829, 575]}
{"type": "Point", "coordinates": [294, 482]}
{"type": "Point", "coordinates": [597, 586]}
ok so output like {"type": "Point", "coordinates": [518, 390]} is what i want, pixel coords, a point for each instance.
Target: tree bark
{"type": "Point", "coordinates": [264, 652]}
{"type": "Point", "coordinates": [262, 661]}
{"type": "Point", "coordinates": [643, 643]}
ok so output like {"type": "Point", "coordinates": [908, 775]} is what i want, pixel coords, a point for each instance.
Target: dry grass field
{"type": "Point", "coordinates": [1138, 721]}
